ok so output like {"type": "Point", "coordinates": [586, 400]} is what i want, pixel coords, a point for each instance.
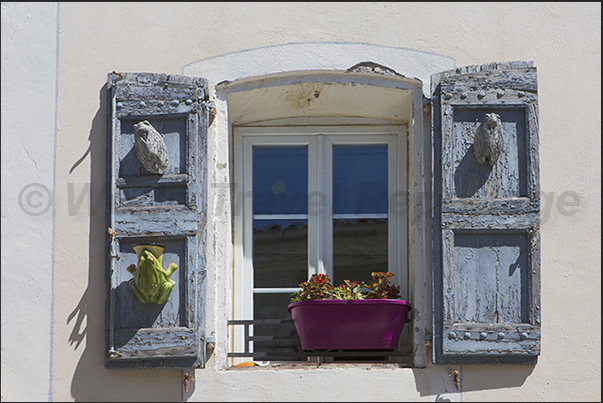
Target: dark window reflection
{"type": "Point", "coordinates": [280, 253]}
{"type": "Point", "coordinates": [360, 178]}
{"type": "Point", "coordinates": [359, 248]}
{"type": "Point", "coordinates": [270, 306]}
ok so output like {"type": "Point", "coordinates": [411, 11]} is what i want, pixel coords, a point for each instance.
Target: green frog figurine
{"type": "Point", "coordinates": [151, 283]}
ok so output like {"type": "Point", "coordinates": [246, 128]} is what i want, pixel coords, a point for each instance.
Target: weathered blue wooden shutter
{"type": "Point", "coordinates": [167, 208]}
{"type": "Point", "coordinates": [486, 277]}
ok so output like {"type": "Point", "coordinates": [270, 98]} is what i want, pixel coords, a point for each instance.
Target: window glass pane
{"type": "Point", "coordinates": [359, 248]}
{"type": "Point", "coordinates": [359, 179]}
{"type": "Point", "coordinates": [280, 179]}
{"type": "Point", "coordinates": [280, 253]}
{"type": "Point", "coordinates": [274, 306]}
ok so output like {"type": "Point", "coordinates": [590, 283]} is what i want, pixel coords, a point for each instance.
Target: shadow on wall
{"type": "Point", "coordinates": [91, 381]}
{"type": "Point", "coordinates": [485, 377]}
{"type": "Point", "coordinates": [439, 381]}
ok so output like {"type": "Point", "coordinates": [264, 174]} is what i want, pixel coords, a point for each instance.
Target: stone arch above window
{"type": "Point", "coordinates": [318, 56]}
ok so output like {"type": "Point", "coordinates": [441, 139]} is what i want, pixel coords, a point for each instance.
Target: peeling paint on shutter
{"type": "Point", "coordinates": [168, 208]}
{"type": "Point", "coordinates": [486, 271]}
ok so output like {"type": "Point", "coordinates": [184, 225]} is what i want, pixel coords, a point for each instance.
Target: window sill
{"type": "Point", "coordinates": [315, 365]}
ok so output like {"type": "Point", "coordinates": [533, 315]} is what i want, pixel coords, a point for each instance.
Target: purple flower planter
{"type": "Point", "coordinates": [367, 324]}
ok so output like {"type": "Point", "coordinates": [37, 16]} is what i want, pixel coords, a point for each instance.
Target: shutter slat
{"type": "Point", "coordinates": [489, 221]}
{"type": "Point", "coordinates": [486, 266]}
{"type": "Point", "coordinates": [166, 222]}
{"type": "Point", "coordinates": [137, 343]}
{"type": "Point", "coordinates": [519, 205]}
{"type": "Point", "coordinates": [166, 208]}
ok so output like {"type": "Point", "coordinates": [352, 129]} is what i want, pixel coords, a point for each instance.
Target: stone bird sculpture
{"type": "Point", "coordinates": [488, 142]}
{"type": "Point", "coordinates": [150, 147]}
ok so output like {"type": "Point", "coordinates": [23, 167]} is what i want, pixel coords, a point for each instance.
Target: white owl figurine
{"type": "Point", "coordinates": [150, 147]}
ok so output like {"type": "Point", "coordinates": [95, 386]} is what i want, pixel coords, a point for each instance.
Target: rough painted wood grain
{"type": "Point", "coordinates": [167, 221]}
{"type": "Point", "coordinates": [491, 277]}
{"type": "Point", "coordinates": [143, 181]}
{"type": "Point", "coordinates": [495, 207]}
{"type": "Point", "coordinates": [143, 207]}
{"type": "Point", "coordinates": [486, 219]}
{"type": "Point", "coordinates": [134, 343]}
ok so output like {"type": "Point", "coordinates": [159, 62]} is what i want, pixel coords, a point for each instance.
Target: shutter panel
{"type": "Point", "coordinates": [486, 294]}
{"type": "Point", "coordinates": [167, 207]}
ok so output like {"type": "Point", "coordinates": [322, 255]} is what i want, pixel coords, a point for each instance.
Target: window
{"type": "Point", "coordinates": [312, 155]}
{"type": "Point", "coordinates": [320, 199]}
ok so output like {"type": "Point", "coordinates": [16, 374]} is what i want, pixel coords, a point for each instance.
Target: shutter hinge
{"type": "Point", "coordinates": [186, 380]}
{"type": "Point", "coordinates": [457, 382]}
{"type": "Point", "coordinates": [211, 108]}
{"type": "Point", "coordinates": [210, 342]}
{"type": "Point", "coordinates": [426, 105]}
{"type": "Point", "coordinates": [114, 77]}
{"type": "Point", "coordinates": [114, 354]}
{"type": "Point", "coordinates": [112, 254]}
{"type": "Point", "coordinates": [534, 234]}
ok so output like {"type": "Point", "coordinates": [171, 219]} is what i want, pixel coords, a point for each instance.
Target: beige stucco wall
{"type": "Point", "coordinates": [563, 40]}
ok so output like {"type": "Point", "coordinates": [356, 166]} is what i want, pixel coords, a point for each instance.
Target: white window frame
{"type": "Point", "coordinates": [320, 141]}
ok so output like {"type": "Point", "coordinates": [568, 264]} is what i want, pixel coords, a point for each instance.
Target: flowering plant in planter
{"type": "Point", "coordinates": [319, 287]}
{"type": "Point", "coordinates": [351, 316]}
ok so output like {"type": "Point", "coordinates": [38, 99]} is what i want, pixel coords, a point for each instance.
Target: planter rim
{"type": "Point", "coordinates": [349, 301]}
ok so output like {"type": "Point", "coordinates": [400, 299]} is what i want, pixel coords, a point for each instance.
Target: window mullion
{"type": "Point", "coordinates": [392, 222]}
{"type": "Point", "coordinates": [399, 211]}
{"type": "Point", "coordinates": [314, 203]}
{"type": "Point", "coordinates": [327, 212]}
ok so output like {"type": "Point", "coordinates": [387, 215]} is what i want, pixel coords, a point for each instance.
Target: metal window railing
{"type": "Point", "coordinates": [264, 346]}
